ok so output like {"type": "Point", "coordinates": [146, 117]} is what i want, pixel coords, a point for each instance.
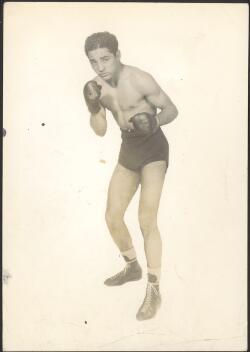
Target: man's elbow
{"type": "Point", "coordinates": [174, 112]}
{"type": "Point", "coordinates": [99, 131]}
{"type": "Point", "coordinates": [99, 128]}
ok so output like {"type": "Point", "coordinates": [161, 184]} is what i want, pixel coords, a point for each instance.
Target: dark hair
{"type": "Point", "coordinates": [101, 40]}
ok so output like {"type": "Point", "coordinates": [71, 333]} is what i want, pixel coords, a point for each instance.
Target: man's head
{"type": "Point", "coordinates": [103, 54]}
{"type": "Point", "coordinates": [101, 40]}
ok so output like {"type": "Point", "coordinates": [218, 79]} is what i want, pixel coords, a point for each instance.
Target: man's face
{"type": "Point", "coordinates": [104, 63]}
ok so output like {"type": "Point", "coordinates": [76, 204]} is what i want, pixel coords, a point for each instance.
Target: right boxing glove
{"type": "Point", "coordinates": [92, 93]}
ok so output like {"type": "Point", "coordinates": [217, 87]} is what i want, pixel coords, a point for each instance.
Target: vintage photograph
{"type": "Point", "coordinates": [125, 176]}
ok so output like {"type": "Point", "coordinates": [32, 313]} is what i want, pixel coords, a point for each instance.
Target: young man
{"type": "Point", "coordinates": [133, 97]}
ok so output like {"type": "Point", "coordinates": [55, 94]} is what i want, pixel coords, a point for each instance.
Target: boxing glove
{"type": "Point", "coordinates": [92, 93]}
{"type": "Point", "coordinates": [145, 123]}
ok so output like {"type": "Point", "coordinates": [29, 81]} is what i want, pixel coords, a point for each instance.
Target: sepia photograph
{"type": "Point", "coordinates": [125, 176]}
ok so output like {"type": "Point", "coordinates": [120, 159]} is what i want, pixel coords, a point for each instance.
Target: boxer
{"type": "Point", "coordinates": [133, 97]}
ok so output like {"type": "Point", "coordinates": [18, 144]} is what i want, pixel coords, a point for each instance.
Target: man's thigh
{"type": "Point", "coordinates": [152, 180]}
{"type": "Point", "coordinates": [122, 187]}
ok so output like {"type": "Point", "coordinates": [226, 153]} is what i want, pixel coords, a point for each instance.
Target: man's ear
{"type": "Point", "coordinates": [118, 54]}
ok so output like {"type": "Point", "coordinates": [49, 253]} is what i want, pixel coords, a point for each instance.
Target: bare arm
{"type": "Point", "coordinates": [98, 122]}
{"type": "Point", "coordinates": [157, 97]}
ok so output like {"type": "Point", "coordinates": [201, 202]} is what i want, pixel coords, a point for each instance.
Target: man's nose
{"type": "Point", "coordinates": [100, 67]}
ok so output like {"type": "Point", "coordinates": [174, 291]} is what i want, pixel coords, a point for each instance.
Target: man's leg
{"type": "Point", "coordinates": [122, 187]}
{"type": "Point", "coordinates": [152, 180]}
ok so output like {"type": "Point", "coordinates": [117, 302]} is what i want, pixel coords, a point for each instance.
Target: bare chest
{"type": "Point", "coordinates": [122, 98]}
{"type": "Point", "coordinates": [124, 101]}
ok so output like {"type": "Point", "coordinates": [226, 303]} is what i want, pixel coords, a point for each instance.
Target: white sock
{"type": "Point", "coordinates": [154, 275]}
{"type": "Point", "coordinates": [129, 255]}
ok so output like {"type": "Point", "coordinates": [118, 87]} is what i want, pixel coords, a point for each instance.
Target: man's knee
{"type": "Point", "coordinates": [114, 218]}
{"type": "Point", "coordinates": [148, 222]}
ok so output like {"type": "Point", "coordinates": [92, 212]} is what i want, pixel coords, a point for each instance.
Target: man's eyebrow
{"type": "Point", "coordinates": [102, 57]}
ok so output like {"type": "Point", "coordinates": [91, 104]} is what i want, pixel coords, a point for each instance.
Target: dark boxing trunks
{"type": "Point", "coordinates": [138, 150]}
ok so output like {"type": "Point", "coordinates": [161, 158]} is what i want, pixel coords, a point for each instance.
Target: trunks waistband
{"type": "Point", "coordinates": [127, 134]}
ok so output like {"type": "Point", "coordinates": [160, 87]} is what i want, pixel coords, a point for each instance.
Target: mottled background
{"type": "Point", "coordinates": [56, 248]}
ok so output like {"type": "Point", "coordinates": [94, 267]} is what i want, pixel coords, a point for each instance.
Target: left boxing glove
{"type": "Point", "coordinates": [92, 93]}
{"type": "Point", "coordinates": [145, 123]}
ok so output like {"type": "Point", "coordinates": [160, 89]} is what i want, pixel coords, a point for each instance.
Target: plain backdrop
{"type": "Point", "coordinates": [56, 247]}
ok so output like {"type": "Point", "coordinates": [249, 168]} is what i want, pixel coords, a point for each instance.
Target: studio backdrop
{"type": "Point", "coordinates": [57, 250]}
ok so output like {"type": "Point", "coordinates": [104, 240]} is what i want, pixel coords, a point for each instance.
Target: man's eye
{"type": "Point", "coordinates": [106, 59]}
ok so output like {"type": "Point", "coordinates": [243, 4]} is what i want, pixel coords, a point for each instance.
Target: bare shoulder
{"type": "Point", "coordinates": [140, 78]}
{"type": "Point", "coordinates": [137, 74]}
